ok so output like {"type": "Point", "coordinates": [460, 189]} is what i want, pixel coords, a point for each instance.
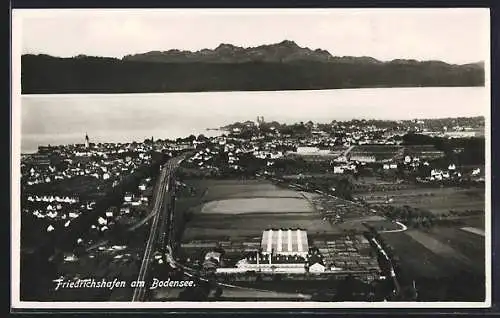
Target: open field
{"type": "Point", "coordinates": [439, 248]}
{"type": "Point", "coordinates": [249, 221]}
{"type": "Point", "coordinates": [446, 263]}
{"type": "Point", "coordinates": [224, 189]}
{"type": "Point", "coordinates": [257, 205]}
{"type": "Point", "coordinates": [206, 226]}
{"type": "Point", "coordinates": [437, 252]}
{"type": "Point", "coordinates": [269, 193]}
{"type": "Point", "coordinates": [436, 200]}
{"type": "Point", "coordinates": [366, 185]}
{"type": "Point", "coordinates": [241, 209]}
{"type": "Point", "coordinates": [470, 245]}
{"type": "Point", "coordinates": [364, 180]}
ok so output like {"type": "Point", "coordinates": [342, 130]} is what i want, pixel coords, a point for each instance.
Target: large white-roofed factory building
{"type": "Point", "coordinates": [287, 242]}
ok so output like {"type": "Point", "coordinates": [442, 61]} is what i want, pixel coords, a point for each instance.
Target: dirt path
{"type": "Point", "coordinates": [402, 229]}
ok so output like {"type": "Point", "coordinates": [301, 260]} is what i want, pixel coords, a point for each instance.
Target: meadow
{"type": "Point", "coordinates": [261, 205]}
{"type": "Point", "coordinates": [436, 200]}
{"type": "Point", "coordinates": [236, 209]}
{"type": "Point", "coordinates": [447, 264]}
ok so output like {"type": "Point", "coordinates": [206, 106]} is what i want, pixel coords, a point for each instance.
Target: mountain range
{"type": "Point", "coordinates": [283, 52]}
{"type": "Point", "coordinates": [280, 66]}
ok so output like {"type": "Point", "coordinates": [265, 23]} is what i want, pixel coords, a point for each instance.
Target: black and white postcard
{"type": "Point", "coordinates": [251, 158]}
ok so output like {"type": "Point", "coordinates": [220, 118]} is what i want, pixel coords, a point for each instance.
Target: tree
{"type": "Point", "coordinates": [201, 138]}
{"type": "Point", "coordinates": [348, 288]}
{"type": "Point", "coordinates": [344, 189]}
{"type": "Point", "coordinates": [218, 292]}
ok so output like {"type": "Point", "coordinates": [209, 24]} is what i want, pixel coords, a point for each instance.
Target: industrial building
{"type": "Point", "coordinates": [286, 264]}
{"type": "Point", "coordinates": [285, 242]}
{"type": "Point", "coordinates": [362, 158]}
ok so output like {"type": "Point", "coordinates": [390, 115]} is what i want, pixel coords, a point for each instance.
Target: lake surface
{"type": "Point", "coordinates": [64, 119]}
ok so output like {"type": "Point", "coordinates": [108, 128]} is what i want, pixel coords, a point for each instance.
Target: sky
{"type": "Point", "coordinates": [452, 35]}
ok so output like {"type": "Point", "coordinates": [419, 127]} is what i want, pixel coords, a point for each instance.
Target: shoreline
{"type": "Point", "coordinates": [54, 93]}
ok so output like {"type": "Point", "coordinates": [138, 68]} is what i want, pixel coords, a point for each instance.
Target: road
{"type": "Point", "coordinates": [161, 207]}
{"type": "Point", "coordinates": [402, 229]}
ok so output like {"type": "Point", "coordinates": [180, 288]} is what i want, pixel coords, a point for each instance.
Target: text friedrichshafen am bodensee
{"type": "Point", "coordinates": [62, 283]}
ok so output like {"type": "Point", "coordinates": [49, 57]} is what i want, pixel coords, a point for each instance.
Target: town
{"type": "Point", "coordinates": [342, 194]}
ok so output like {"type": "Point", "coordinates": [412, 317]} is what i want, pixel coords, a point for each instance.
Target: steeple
{"type": "Point", "coordinates": [87, 143]}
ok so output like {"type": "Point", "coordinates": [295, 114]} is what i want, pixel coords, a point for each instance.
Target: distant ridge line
{"type": "Point", "coordinates": [281, 66]}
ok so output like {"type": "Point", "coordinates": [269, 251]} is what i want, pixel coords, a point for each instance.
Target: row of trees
{"type": "Point", "coordinates": [341, 187]}
{"type": "Point", "coordinates": [421, 218]}
{"type": "Point", "coordinates": [410, 216]}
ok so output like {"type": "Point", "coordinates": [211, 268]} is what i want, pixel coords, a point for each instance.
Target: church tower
{"type": "Point", "coordinates": [87, 144]}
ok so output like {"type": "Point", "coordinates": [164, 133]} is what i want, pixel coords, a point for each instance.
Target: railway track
{"type": "Point", "coordinates": [160, 213]}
